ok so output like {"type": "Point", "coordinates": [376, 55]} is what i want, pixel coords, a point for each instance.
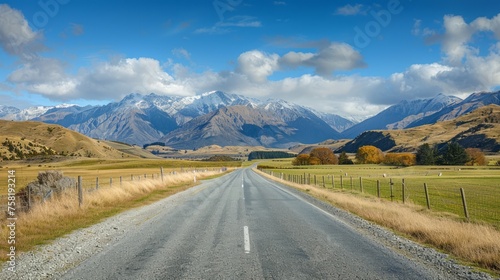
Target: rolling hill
{"type": "Point", "coordinates": [28, 139]}
{"type": "Point", "coordinates": [476, 129]}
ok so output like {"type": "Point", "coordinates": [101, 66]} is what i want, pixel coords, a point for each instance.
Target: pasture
{"type": "Point", "coordinates": [480, 184]}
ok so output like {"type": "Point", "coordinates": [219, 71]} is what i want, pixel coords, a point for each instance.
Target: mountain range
{"type": "Point", "coordinates": [229, 119]}
{"type": "Point", "coordinates": [143, 119]}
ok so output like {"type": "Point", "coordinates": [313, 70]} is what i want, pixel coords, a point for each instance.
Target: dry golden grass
{"type": "Point", "coordinates": [62, 214]}
{"type": "Point", "coordinates": [469, 242]}
{"type": "Point", "coordinates": [57, 138]}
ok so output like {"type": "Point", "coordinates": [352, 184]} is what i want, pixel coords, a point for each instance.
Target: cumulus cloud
{"type": "Point", "coordinates": [257, 66]}
{"type": "Point", "coordinates": [458, 34]}
{"type": "Point", "coordinates": [16, 37]}
{"type": "Point", "coordinates": [110, 80]}
{"type": "Point", "coordinates": [337, 56]}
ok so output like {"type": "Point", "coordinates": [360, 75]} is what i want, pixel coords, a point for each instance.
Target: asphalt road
{"type": "Point", "coordinates": [243, 226]}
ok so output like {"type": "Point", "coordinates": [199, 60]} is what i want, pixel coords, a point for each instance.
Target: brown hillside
{"type": "Point", "coordinates": [477, 129]}
{"type": "Point", "coordinates": [29, 139]}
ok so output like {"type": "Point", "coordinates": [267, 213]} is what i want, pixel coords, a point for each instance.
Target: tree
{"type": "Point", "coordinates": [400, 159]}
{"type": "Point", "coordinates": [344, 159]}
{"type": "Point", "coordinates": [426, 155]}
{"type": "Point", "coordinates": [314, 161]}
{"type": "Point", "coordinates": [454, 154]}
{"type": "Point", "coordinates": [369, 154]}
{"type": "Point", "coordinates": [476, 157]}
{"type": "Point", "coordinates": [302, 159]}
{"type": "Point", "coordinates": [325, 155]}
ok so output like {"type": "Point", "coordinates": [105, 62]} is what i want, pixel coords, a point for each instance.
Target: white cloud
{"type": "Point", "coordinates": [257, 66]}
{"type": "Point", "coordinates": [223, 27]}
{"type": "Point", "coordinates": [110, 80]}
{"type": "Point", "coordinates": [351, 10]}
{"type": "Point", "coordinates": [458, 34]}
{"type": "Point", "coordinates": [16, 37]}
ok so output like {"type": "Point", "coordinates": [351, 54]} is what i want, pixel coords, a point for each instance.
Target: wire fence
{"type": "Point", "coordinates": [473, 202]}
{"type": "Point", "coordinates": [25, 200]}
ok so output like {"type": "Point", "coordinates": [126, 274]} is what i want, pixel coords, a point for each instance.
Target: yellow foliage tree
{"type": "Point", "coordinates": [401, 159]}
{"type": "Point", "coordinates": [369, 154]}
{"type": "Point", "coordinates": [302, 159]}
{"type": "Point", "coordinates": [325, 156]}
{"type": "Point", "coordinates": [476, 156]}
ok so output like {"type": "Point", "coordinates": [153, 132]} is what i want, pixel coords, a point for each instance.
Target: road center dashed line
{"type": "Point", "coordinates": [246, 238]}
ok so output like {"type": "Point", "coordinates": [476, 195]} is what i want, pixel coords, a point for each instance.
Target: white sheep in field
{"type": "Point", "coordinates": [384, 175]}
{"type": "Point", "coordinates": [440, 174]}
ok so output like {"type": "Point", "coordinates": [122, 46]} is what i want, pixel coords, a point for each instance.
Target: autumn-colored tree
{"type": "Point", "coordinates": [476, 157]}
{"type": "Point", "coordinates": [369, 154]}
{"type": "Point", "coordinates": [302, 159]}
{"type": "Point", "coordinates": [401, 159]}
{"type": "Point", "coordinates": [314, 161]}
{"type": "Point", "coordinates": [325, 156]}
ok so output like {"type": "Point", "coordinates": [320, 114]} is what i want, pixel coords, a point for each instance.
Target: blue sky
{"type": "Point", "coordinates": [353, 58]}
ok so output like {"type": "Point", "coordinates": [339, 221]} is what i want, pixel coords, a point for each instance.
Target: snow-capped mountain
{"type": "Point", "coordinates": [142, 119]}
{"type": "Point", "coordinates": [8, 110]}
{"type": "Point", "coordinates": [402, 114]}
{"type": "Point", "coordinates": [31, 112]}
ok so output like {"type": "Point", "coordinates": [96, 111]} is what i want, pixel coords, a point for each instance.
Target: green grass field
{"type": "Point", "coordinates": [481, 185]}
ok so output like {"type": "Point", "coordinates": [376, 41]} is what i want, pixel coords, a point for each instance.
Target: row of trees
{"type": "Point", "coordinates": [451, 154]}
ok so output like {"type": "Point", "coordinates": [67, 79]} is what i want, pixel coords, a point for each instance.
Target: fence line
{"type": "Point", "coordinates": [87, 183]}
{"type": "Point", "coordinates": [467, 202]}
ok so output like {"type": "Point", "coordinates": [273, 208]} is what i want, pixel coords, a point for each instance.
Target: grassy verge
{"type": "Point", "coordinates": [472, 243]}
{"type": "Point", "coordinates": [62, 214]}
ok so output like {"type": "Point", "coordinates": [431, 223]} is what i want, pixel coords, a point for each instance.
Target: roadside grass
{"type": "Point", "coordinates": [105, 169]}
{"type": "Point", "coordinates": [471, 243]}
{"type": "Point", "coordinates": [62, 214]}
{"type": "Point", "coordinates": [481, 185]}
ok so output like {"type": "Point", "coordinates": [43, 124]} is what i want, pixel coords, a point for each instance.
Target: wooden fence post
{"type": "Point", "coordinates": [161, 173]}
{"type": "Point", "coordinates": [464, 202]}
{"type": "Point", "coordinates": [333, 181]}
{"type": "Point", "coordinates": [427, 196]}
{"type": "Point", "coordinates": [324, 181]}
{"type": "Point", "coordinates": [80, 191]}
{"type": "Point", "coordinates": [315, 180]}
{"type": "Point", "coordinates": [97, 183]}
{"type": "Point", "coordinates": [351, 184]}
{"type": "Point", "coordinates": [361, 184]}
{"type": "Point", "coordinates": [29, 199]}
{"type": "Point", "coordinates": [378, 188]}
{"type": "Point", "coordinates": [121, 181]}
{"type": "Point", "coordinates": [341, 182]}
{"type": "Point", "coordinates": [392, 189]}
{"type": "Point", "coordinates": [403, 190]}
{"type": "Point", "coordinates": [110, 182]}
